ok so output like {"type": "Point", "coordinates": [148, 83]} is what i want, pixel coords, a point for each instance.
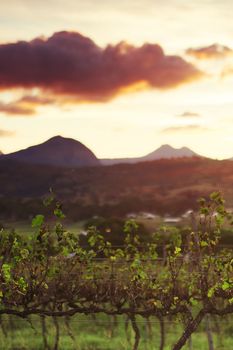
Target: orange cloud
{"type": "Point", "coordinates": [227, 71]}
{"type": "Point", "coordinates": [188, 114]}
{"type": "Point", "coordinates": [69, 64]}
{"type": "Point", "coordinates": [6, 133]}
{"type": "Point", "coordinates": [15, 108]}
{"type": "Point", "coordinates": [25, 106]}
{"type": "Point", "coordinates": [210, 52]}
{"type": "Point", "coordinates": [184, 128]}
{"type": "Point", "coordinates": [33, 100]}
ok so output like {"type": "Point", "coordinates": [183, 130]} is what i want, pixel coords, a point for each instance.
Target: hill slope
{"type": "Point", "coordinates": [160, 186]}
{"type": "Point", "coordinates": [58, 151]}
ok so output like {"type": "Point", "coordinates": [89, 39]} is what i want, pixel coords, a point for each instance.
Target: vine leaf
{"type": "Point", "coordinates": [38, 220]}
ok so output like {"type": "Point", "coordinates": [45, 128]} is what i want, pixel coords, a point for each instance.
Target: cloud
{"type": "Point", "coordinates": [226, 72]}
{"type": "Point", "coordinates": [188, 114]}
{"type": "Point", "coordinates": [25, 106]}
{"type": "Point", "coordinates": [33, 100]}
{"type": "Point", "coordinates": [16, 109]}
{"type": "Point", "coordinates": [71, 65]}
{"type": "Point", "coordinates": [184, 128]}
{"type": "Point", "coordinates": [6, 133]}
{"type": "Point", "coordinates": [210, 52]}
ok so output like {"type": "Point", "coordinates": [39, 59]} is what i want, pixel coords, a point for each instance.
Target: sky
{"type": "Point", "coordinates": [123, 77]}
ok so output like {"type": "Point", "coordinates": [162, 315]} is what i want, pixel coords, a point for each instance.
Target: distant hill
{"type": "Point", "coordinates": [61, 151]}
{"type": "Point", "coordinates": [163, 152]}
{"type": "Point", "coordinates": [168, 180]}
{"type": "Point", "coordinates": [167, 152]}
{"type": "Point", "coordinates": [58, 151]}
{"type": "Point", "coordinates": [162, 186]}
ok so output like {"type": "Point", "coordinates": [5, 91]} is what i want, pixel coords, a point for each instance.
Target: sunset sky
{"type": "Point", "coordinates": [123, 77]}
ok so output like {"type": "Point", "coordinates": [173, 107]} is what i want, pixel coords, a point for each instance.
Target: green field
{"type": "Point", "coordinates": [103, 333]}
{"type": "Point", "coordinates": [25, 227]}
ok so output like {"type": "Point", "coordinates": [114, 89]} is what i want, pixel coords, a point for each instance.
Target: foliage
{"type": "Point", "coordinates": [51, 274]}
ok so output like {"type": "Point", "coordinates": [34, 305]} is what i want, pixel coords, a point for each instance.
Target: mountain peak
{"type": "Point", "coordinates": [58, 151]}
{"type": "Point", "coordinates": [56, 138]}
{"type": "Point", "coordinates": [165, 147]}
{"type": "Point", "coordinates": [167, 151]}
{"type": "Point", "coordinates": [61, 139]}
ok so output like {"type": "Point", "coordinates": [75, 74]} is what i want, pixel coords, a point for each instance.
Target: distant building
{"type": "Point", "coordinates": [131, 216]}
{"type": "Point", "coordinates": [84, 232]}
{"type": "Point", "coordinates": [148, 216]}
{"type": "Point", "coordinates": [187, 214]}
{"type": "Point", "coordinates": [142, 215]}
{"type": "Point", "coordinates": [171, 220]}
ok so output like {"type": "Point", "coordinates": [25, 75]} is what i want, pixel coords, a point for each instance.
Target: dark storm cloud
{"type": "Point", "coordinates": [69, 64]}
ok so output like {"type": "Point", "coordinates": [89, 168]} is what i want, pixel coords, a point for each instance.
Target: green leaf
{"type": "Point", "coordinates": [203, 244]}
{"type": "Point", "coordinates": [22, 284]}
{"type": "Point", "coordinates": [202, 201]}
{"type": "Point", "coordinates": [24, 253]}
{"type": "Point", "coordinates": [225, 285]}
{"type": "Point", "coordinates": [45, 285]}
{"type": "Point", "coordinates": [158, 304]}
{"type": "Point", "coordinates": [215, 196]}
{"type": "Point", "coordinates": [193, 301]}
{"type": "Point", "coordinates": [38, 220]}
{"type": "Point", "coordinates": [205, 211]}
{"type": "Point", "coordinates": [58, 213]}
{"type": "Point", "coordinates": [6, 271]}
{"type": "Point", "coordinates": [65, 251]}
{"type": "Point", "coordinates": [210, 292]}
{"type": "Point", "coordinates": [49, 199]}
{"type": "Point", "coordinates": [177, 250]}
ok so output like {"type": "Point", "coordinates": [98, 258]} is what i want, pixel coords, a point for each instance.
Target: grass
{"type": "Point", "coordinates": [24, 228]}
{"type": "Point", "coordinates": [102, 333]}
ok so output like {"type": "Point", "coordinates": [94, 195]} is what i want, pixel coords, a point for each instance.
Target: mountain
{"type": "Point", "coordinates": [167, 151]}
{"type": "Point", "coordinates": [58, 151]}
{"type": "Point", "coordinates": [61, 151]}
{"type": "Point", "coordinates": [163, 152]}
